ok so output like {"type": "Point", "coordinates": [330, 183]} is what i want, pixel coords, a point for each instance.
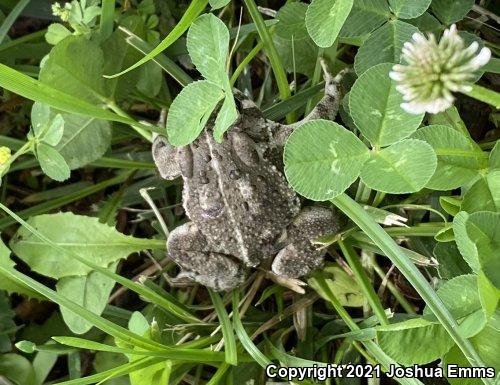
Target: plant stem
{"type": "Point", "coordinates": [117, 110]}
{"type": "Point", "coordinates": [485, 95]}
{"type": "Point", "coordinates": [363, 192]}
{"type": "Point", "coordinates": [255, 50]}
{"type": "Point", "coordinates": [364, 282]}
{"type": "Point", "coordinates": [461, 153]}
{"type": "Point", "coordinates": [316, 78]}
{"type": "Point", "coordinates": [394, 290]}
{"type": "Point", "coordinates": [26, 147]}
{"type": "Point", "coordinates": [356, 213]}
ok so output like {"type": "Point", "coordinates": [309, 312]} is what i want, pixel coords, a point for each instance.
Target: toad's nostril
{"type": "Point", "coordinates": [246, 206]}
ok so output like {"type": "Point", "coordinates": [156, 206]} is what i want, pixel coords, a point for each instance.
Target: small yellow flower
{"type": "Point", "coordinates": [4, 155]}
{"type": "Point", "coordinates": [431, 71]}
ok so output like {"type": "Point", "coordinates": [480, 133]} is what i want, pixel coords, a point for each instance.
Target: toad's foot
{"type": "Point", "coordinates": [189, 249]}
{"type": "Point", "coordinates": [293, 284]}
{"type": "Point", "coordinates": [301, 256]}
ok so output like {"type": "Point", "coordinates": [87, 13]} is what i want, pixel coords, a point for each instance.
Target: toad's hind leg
{"type": "Point", "coordinates": [301, 256]}
{"type": "Point", "coordinates": [188, 247]}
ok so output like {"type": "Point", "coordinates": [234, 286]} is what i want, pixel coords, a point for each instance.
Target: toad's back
{"type": "Point", "coordinates": [239, 200]}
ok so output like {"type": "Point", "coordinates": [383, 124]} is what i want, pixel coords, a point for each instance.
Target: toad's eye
{"type": "Point", "coordinates": [185, 156]}
{"type": "Point", "coordinates": [245, 149]}
{"type": "Point", "coordinates": [234, 175]}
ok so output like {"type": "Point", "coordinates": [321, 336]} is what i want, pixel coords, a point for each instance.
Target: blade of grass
{"type": "Point", "coordinates": [22, 39]}
{"type": "Point", "coordinates": [377, 353]}
{"type": "Point", "coordinates": [107, 19]}
{"type": "Point", "coordinates": [227, 329]}
{"type": "Point", "coordinates": [178, 354]}
{"type": "Point", "coordinates": [99, 322]}
{"type": "Point", "coordinates": [111, 206]}
{"type": "Point", "coordinates": [272, 54]}
{"type": "Point", "coordinates": [29, 70]}
{"type": "Point", "coordinates": [168, 65]}
{"type": "Point", "coordinates": [244, 338]}
{"type": "Point", "coordinates": [425, 230]}
{"type": "Point", "coordinates": [119, 371]}
{"type": "Point", "coordinates": [195, 8]}
{"type": "Point", "coordinates": [359, 216]}
{"type": "Point", "coordinates": [279, 110]}
{"type": "Point", "coordinates": [492, 66]}
{"type": "Point", "coordinates": [63, 200]}
{"type": "Point", "coordinates": [56, 192]}
{"type": "Point", "coordinates": [108, 162]}
{"type": "Point", "coordinates": [364, 242]}
{"type": "Point", "coordinates": [104, 162]}
{"type": "Point", "coordinates": [139, 289]}
{"type": "Point", "coordinates": [11, 18]}
{"type": "Point", "coordinates": [164, 293]}
{"type": "Point", "coordinates": [32, 89]}
{"type": "Point", "coordinates": [219, 374]}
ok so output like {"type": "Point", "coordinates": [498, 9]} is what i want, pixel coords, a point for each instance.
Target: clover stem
{"type": "Point", "coordinates": [255, 50]}
{"type": "Point", "coordinates": [484, 95]}
{"type": "Point", "coordinates": [117, 110]}
{"type": "Point", "coordinates": [315, 79]}
{"type": "Point", "coordinates": [25, 148]}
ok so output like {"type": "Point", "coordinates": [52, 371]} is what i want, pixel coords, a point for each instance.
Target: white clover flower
{"type": "Point", "coordinates": [431, 71]}
{"type": "Point", "coordinates": [62, 12]}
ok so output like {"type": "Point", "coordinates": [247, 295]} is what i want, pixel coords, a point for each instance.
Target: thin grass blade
{"type": "Point", "coordinates": [173, 353]}
{"type": "Point", "coordinates": [195, 8]}
{"type": "Point", "coordinates": [147, 293]}
{"type": "Point", "coordinates": [99, 322]}
{"type": "Point", "coordinates": [227, 329]}
{"type": "Point", "coordinates": [244, 338]}
{"type": "Point", "coordinates": [32, 89]}
{"type": "Point", "coordinates": [119, 371]}
{"type": "Point", "coordinates": [11, 18]}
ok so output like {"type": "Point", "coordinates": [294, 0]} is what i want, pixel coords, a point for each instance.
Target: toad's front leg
{"type": "Point", "coordinates": [301, 256]}
{"type": "Point", "coordinates": [326, 108]}
{"type": "Point", "coordinates": [188, 247]}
